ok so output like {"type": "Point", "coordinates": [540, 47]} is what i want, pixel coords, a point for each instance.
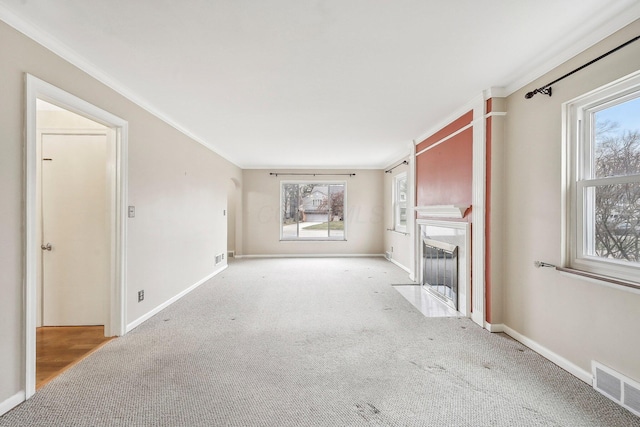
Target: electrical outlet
{"type": "Point", "coordinates": [140, 296]}
{"type": "Point", "coordinates": [132, 211]}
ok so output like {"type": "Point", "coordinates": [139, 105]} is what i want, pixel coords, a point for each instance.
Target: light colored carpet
{"type": "Point", "coordinates": [313, 342]}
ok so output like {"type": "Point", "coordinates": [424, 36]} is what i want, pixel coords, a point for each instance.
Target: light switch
{"type": "Point", "coordinates": [132, 211]}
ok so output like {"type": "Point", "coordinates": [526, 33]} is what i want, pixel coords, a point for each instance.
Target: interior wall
{"type": "Point", "coordinates": [577, 319]}
{"type": "Point", "coordinates": [398, 244]}
{"type": "Point", "coordinates": [179, 189]}
{"type": "Point", "coordinates": [444, 172]}
{"type": "Point", "coordinates": [364, 217]}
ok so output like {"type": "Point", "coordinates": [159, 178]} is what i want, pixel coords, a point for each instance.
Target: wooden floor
{"type": "Point", "coordinates": [60, 347]}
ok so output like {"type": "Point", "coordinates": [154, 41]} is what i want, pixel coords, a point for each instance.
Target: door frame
{"type": "Point", "coordinates": [36, 88]}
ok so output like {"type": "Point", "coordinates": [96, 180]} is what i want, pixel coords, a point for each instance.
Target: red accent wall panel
{"type": "Point", "coordinates": [454, 126]}
{"type": "Point", "coordinates": [444, 173]}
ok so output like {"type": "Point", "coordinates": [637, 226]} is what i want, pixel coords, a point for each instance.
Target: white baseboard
{"type": "Point", "coordinates": [12, 402]}
{"type": "Point", "coordinates": [311, 256]}
{"type": "Point", "coordinates": [400, 265]}
{"type": "Point", "coordinates": [170, 301]}
{"type": "Point", "coordinates": [568, 366]}
{"type": "Point", "coordinates": [497, 327]}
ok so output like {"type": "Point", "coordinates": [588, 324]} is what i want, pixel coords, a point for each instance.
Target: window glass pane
{"type": "Point", "coordinates": [336, 211]}
{"type": "Point", "coordinates": [290, 210]}
{"type": "Point", "coordinates": [312, 211]}
{"type": "Point", "coordinates": [617, 140]}
{"type": "Point", "coordinates": [614, 231]}
{"type": "Point", "coordinates": [402, 202]}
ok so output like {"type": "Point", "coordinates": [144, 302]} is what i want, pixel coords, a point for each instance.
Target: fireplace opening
{"type": "Point", "coordinates": [440, 270]}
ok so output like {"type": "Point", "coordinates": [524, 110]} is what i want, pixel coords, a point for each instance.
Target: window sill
{"type": "Point", "coordinates": [606, 280]}
{"type": "Point", "coordinates": [312, 240]}
{"type": "Point", "coordinates": [398, 231]}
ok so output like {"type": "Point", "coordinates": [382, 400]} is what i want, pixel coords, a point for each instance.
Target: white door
{"type": "Point", "coordinates": [75, 223]}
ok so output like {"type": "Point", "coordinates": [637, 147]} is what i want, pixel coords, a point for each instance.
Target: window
{"type": "Point", "coordinates": [313, 211]}
{"type": "Point", "coordinates": [400, 203]}
{"type": "Point", "coordinates": [603, 164]}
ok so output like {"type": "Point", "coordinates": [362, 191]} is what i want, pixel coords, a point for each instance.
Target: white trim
{"type": "Point", "coordinates": [495, 114]}
{"type": "Point", "coordinates": [446, 138]}
{"type": "Point", "coordinates": [548, 354]}
{"type": "Point", "coordinates": [411, 219]}
{"type": "Point", "coordinates": [36, 88]}
{"type": "Point", "coordinates": [496, 92]}
{"type": "Point", "coordinates": [470, 105]}
{"type": "Point", "coordinates": [494, 327]}
{"type": "Point", "coordinates": [582, 38]}
{"type": "Point", "coordinates": [442, 211]}
{"type": "Point", "coordinates": [400, 265]}
{"type": "Point", "coordinates": [65, 52]}
{"type": "Point", "coordinates": [12, 402]}
{"type": "Point", "coordinates": [171, 300]}
{"type": "Point", "coordinates": [478, 213]}
{"type": "Point", "coordinates": [311, 256]}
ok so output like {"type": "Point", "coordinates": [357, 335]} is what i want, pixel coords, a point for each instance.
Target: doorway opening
{"type": "Point", "coordinates": [75, 210]}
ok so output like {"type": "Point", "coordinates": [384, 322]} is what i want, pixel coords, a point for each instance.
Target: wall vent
{"type": "Point", "coordinates": [387, 255]}
{"type": "Point", "coordinates": [622, 390]}
{"type": "Point", "coordinates": [219, 258]}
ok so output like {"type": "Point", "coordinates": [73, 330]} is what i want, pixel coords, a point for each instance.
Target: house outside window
{"type": "Point", "coordinates": [313, 211]}
{"type": "Point", "coordinates": [400, 203]}
{"type": "Point", "coordinates": [603, 165]}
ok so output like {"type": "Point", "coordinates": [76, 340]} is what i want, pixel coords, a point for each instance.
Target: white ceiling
{"type": "Point", "coordinates": [314, 83]}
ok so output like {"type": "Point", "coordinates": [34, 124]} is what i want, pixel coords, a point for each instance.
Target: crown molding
{"type": "Point", "coordinates": [62, 50]}
{"type": "Point", "coordinates": [593, 31]}
{"type": "Point", "coordinates": [459, 112]}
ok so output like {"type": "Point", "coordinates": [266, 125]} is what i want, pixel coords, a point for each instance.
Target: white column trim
{"type": "Point", "coordinates": [478, 211]}
{"type": "Point", "coordinates": [411, 219]}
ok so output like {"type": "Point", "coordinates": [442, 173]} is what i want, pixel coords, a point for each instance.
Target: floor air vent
{"type": "Point", "coordinates": [616, 387]}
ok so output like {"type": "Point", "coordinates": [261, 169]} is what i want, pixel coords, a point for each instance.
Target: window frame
{"type": "Point", "coordinates": [577, 152]}
{"type": "Point", "coordinates": [397, 226]}
{"type": "Point", "coordinates": [342, 238]}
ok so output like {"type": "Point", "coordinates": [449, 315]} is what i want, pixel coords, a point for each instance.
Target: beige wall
{"type": "Point", "coordinates": [261, 216]}
{"type": "Point", "coordinates": [178, 186]}
{"type": "Point", "coordinates": [576, 319]}
{"type": "Point", "coordinates": [495, 216]}
{"type": "Point", "coordinates": [397, 243]}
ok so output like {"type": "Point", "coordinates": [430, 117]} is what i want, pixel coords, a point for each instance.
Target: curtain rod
{"type": "Point", "coordinates": [406, 162]}
{"type": "Point", "coordinates": [310, 174]}
{"type": "Point", "coordinates": [546, 89]}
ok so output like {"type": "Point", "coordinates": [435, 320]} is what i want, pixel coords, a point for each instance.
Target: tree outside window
{"type": "Point", "coordinates": [603, 180]}
{"type": "Point", "coordinates": [313, 211]}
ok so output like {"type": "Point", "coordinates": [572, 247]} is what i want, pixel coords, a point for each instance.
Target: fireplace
{"type": "Point", "coordinates": [444, 250]}
{"type": "Point", "coordinates": [440, 270]}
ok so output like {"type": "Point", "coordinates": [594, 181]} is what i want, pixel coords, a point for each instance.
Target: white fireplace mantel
{"type": "Point", "coordinates": [442, 211]}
